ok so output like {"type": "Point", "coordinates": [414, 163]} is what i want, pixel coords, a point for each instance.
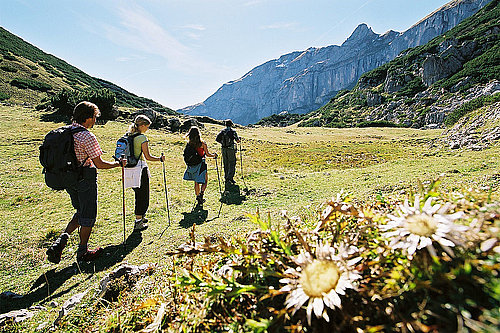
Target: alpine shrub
{"type": "Point", "coordinates": [30, 84]}
{"type": "Point", "coordinates": [3, 96]}
{"type": "Point", "coordinates": [65, 101]}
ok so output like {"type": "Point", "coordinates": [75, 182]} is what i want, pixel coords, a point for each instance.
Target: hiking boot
{"type": "Point", "coordinates": [54, 252]}
{"type": "Point", "coordinates": [89, 255]}
{"type": "Point", "coordinates": [141, 225]}
{"type": "Point", "coordinates": [200, 199]}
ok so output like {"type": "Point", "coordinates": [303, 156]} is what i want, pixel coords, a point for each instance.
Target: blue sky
{"type": "Point", "coordinates": [179, 52]}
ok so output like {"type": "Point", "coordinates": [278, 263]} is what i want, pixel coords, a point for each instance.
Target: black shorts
{"type": "Point", "coordinates": [84, 198]}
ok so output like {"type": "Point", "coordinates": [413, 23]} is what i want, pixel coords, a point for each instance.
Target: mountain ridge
{"type": "Point", "coordinates": [32, 63]}
{"type": "Point", "coordinates": [429, 86]}
{"type": "Point", "coordinates": [302, 81]}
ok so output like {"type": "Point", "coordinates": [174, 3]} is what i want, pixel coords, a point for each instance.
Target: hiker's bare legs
{"type": "Point", "coordinates": [85, 235]}
{"type": "Point", "coordinates": [196, 188]}
{"type": "Point", "coordinates": [204, 186]}
{"type": "Point", "coordinates": [72, 225]}
{"type": "Point", "coordinates": [84, 231]}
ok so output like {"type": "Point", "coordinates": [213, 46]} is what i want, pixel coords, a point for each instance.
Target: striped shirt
{"type": "Point", "coordinates": [86, 145]}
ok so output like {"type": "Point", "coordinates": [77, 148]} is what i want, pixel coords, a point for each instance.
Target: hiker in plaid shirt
{"type": "Point", "coordinates": [84, 194]}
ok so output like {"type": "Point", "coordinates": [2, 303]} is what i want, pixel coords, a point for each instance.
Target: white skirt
{"type": "Point", "coordinates": [132, 176]}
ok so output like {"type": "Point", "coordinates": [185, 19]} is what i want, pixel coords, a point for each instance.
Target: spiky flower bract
{"type": "Point", "coordinates": [319, 281]}
{"type": "Point", "coordinates": [416, 228]}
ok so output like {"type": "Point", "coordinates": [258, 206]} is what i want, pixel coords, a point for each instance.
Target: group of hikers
{"type": "Point", "coordinates": [83, 193]}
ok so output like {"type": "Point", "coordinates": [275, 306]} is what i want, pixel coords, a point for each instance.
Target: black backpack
{"type": "Point", "coordinates": [125, 147]}
{"type": "Point", "coordinates": [191, 156]}
{"type": "Point", "coordinates": [57, 156]}
{"type": "Point", "coordinates": [226, 139]}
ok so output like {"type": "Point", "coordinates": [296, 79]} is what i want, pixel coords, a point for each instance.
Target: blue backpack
{"type": "Point", "coordinates": [125, 148]}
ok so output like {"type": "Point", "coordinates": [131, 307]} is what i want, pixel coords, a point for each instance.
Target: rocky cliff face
{"type": "Point", "coordinates": [300, 82]}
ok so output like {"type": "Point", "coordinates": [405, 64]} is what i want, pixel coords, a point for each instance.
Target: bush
{"type": "Point", "coordinates": [9, 69]}
{"type": "Point", "coordinates": [30, 84]}
{"type": "Point", "coordinates": [66, 100]}
{"type": "Point", "coordinates": [374, 77]}
{"type": "Point", "coordinates": [9, 57]}
{"type": "Point", "coordinates": [3, 96]}
{"type": "Point", "coordinates": [378, 123]}
{"type": "Point", "coordinates": [413, 87]}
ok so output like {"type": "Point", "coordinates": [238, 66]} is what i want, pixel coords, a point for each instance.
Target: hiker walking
{"type": "Point", "coordinates": [137, 177]}
{"type": "Point", "coordinates": [83, 193]}
{"type": "Point", "coordinates": [194, 156]}
{"type": "Point", "coordinates": [227, 138]}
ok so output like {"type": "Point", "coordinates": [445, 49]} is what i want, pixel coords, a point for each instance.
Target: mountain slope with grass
{"type": "Point", "coordinates": [29, 75]}
{"type": "Point", "coordinates": [429, 86]}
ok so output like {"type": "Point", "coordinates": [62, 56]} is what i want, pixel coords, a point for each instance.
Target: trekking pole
{"type": "Point", "coordinates": [220, 189]}
{"type": "Point", "coordinates": [218, 177]}
{"type": "Point", "coordinates": [165, 184]}
{"type": "Point", "coordinates": [241, 164]}
{"type": "Point", "coordinates": [123, 198]}
{"type": "Point", "coordinates": [166, 198]}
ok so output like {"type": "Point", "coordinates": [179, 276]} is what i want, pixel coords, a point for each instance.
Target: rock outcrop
{"type": "Point", "coordinates": [429, 109]}
{"type": "Point", "coordinates": [300, 82]}
{"type": "Point", "coordinates": [475, 131]}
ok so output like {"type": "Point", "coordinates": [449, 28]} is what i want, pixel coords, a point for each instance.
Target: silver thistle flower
{"type": "Point", "coordinates": [319, 281]}
{"type": "Point", "coordinates": [417, 228]}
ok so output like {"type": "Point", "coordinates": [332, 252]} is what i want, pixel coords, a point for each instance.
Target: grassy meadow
{"type": "Point", "coordinates": [294, 169]}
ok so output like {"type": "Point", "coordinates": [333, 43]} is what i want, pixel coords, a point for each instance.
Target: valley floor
{"type": "Point", "coordinates": [293, 169]}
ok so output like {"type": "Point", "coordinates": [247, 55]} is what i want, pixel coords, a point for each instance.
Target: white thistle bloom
{"type": "Point", "coordinates": [417, 227]}
{"type": "Point", "coordinates": [319, 281]}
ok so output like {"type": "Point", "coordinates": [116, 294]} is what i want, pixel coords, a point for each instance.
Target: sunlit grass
{"type": "Point", "coordinates": [293, 168]}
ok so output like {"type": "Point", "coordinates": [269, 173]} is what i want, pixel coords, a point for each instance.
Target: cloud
{"type": "Point", "coordinates": [130, 58]}
{"type": "Point", "coordinates": [197, 27]}
{"type": "Point", "coordinates": [253, 3]}
{"type": "Point", "coordinates": [279, 26]}
{"type": "Point", "coordinates": [139, 30]}
{"type": "Point", "coordinates": [193, 31]}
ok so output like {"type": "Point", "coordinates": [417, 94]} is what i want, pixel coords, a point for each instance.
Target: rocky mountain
{"type": "Point", "coordinates": [429, 86]}
{"type": "Point", "coordinates": [300, 82]}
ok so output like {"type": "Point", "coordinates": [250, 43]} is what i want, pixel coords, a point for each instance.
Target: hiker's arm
{"type": "Point", "coordinates": [101, 164]}
{"type": "Point", "coordinates": [147, 155]}
{"type": "Point", "coordinates": [207, 152]}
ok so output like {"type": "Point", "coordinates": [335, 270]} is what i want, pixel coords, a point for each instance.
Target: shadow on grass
{"type": "Point", "coordinates": [196, 216]}
{"type": "Point", "coordinates": [45, 288]}
{"type": "Point", "coordinates": [232, 195]}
